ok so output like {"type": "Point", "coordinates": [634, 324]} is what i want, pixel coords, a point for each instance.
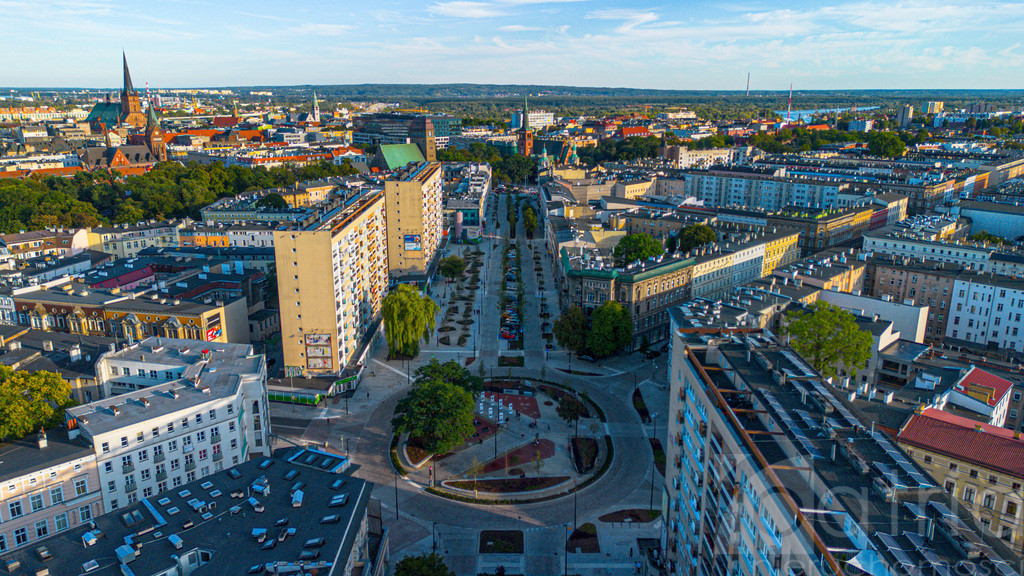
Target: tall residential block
{"type": "Point", "coordinates": [332, 273]}
{"type": "Point", "coordinates": [772, 471]}
{"type": "Point", "coordinates": [414, 219]}
{"type": "Point", "coordinates": [905, 116]}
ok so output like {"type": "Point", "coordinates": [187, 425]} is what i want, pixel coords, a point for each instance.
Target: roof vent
{"type": "Point", "coordinates": [48, 345]}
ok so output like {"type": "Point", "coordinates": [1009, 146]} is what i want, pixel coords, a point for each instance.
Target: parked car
{"type": "Point", "coordinates": [508, 336]}
{"type": "Point", "coordinates": [586, 358]}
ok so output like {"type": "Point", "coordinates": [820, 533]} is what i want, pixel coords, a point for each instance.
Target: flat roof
{"type": "Point", "coordinates": [213, 516]}
{"type": "Point", "coordinates": [24, 456]}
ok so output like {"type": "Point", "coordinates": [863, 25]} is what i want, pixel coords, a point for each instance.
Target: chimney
{"type": "Point", "coordinates": [41, 439]}
{"type": "Point", "coordinates": [48, 345]}
{"type": "Point", "coordinates": [75, 352]}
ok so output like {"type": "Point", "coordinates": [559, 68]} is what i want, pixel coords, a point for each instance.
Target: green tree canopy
{"type": "Point", "coordinates": [569, 409]}
{"type": "Point", "coordinates": [408, 316]}
{"type": "Point", "coordinates": [273, 200]}
{"type": "Point", "coordinates": [827, 337]}
{"type": "Point", "coordinates": [611, 329]}
{"type": "Point", "coordinates": [695, 236]}
{"type": "Point", "coordinates": [887, 144]}
{"type": "Point", "coordinates": [31, 400]}
{"type": "Point", "coordinates": [423, 565]}
{"type": "Point", "coordinates": [451, 372]}
{"type": "Point", "coordinates": [529, 218]}
{"type": "Point", "coordinates": [437, 412]}
{"type": "Point", "coordinates": [636, 247]}
{"type": "Point", "coordinates": [987, 237]}
{"type": "Point", "coordinates": [452, 267]}
{"type": "Point", "coordinates": [570, 329]}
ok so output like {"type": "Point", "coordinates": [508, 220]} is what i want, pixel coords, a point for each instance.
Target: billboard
{"type": "Point", "coordinates": [413, 242]}
{"type": "Point", "coordinates": [212, 333]}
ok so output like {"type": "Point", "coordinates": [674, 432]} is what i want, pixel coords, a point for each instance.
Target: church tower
{"type": "Point", "coordinates": [131, 105]}
{"type": "Point", "coordinates": [316, 109]}
{"type": "Point", "coordinates": [155, 136]}
{"type": "Point", "coordinates": [525, 134]}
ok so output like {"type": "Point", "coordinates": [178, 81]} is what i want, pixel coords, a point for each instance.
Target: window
{"type": "Point", "coordinates": [213, 414]}
{"type": "Point", "coordinates": [143, 455]}
{"type": "Point", "coordinates": [175, 464]}
{"type": "Point", "coordinates": [184, 422]}
{"type": "Point", "coordinates": [36, 502]}
{"type": "Point", "coordinates": [231, 426]}
{"type": "Point", "coordinates": [199, 418]}
{"type": "Point", "coordinates": [170, 427]}
{"type": "Point", "coordinates": [147, 492]}
{"type": "Point", "coordinates": [201, 436]}
{"type": "Point", "coordinates": [3, 542]}
{"type": "Point", "coordinates": [969, 494]}
{"type": "Point", "coordinates": [14, 509]}
{"type": "Point", "coordinates": [108, 466]}
{"type": "Point", "coordinates": [993, 480]}
{"type": "Point", "coordinates": [155, 431]}
{"type": "Point", "coordinates": [42, 529]}
{"type": "Point", "coordinates": [124, 441]}
{"type": "Point", "coordinates": [927, 458]}
{"type": "Point", "coordinates": [144, 474]}
{"type": "Point", "coordinates": [1011, 508]}
{"type": "Point", "coordinates": [950, 486]}
{"type": "Point", "coordinates": [169, 375]}
{"type": "Point", "coordinates": [974, 473]}
{"type": "Point", "coordinates": [60, 522]}
{"type": "Point", "coordinates": [989, 501]}
{"type": "Point", "coordinates": [202, 454]}
{"type": "Point", "coordinates": [56, 495]}
{"type": "Point", "coordinates": [140, 437]}
{"type": "Point", "coordinates": [113, 504]}
{"type": "Point", "coordinates": [111, 486]}
{"type": "Point", "coordinates": [85, 513]}
{"type": "Point", "coordinates": [172, 445]}
{"type": "Point", "coordinates": [81, 487]}
{"type": "Point", "coordinates": [21, 536]}
{"type": "Point", "coordinates": [106, 447]}
{"type": "Point", "coordinates": [152, 374]}
{"type": "Point", "coordinates": [231, 408]}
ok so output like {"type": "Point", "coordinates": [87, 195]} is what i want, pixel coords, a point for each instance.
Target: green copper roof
{"type": "Point", "coordinates": [398, 155]}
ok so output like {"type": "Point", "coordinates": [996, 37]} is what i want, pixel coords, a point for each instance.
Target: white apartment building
{"type": "Point", "coordinates": [987, 310]}
{"type": "Point", "coordinates": [769, 189]}
{"type": "Point", "coordinates": [192, 409]}
{"type": "Point", "coordinates": [970, 256]}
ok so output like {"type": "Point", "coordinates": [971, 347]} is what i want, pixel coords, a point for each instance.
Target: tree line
{"type": "Point", "coordinates": [507, 167]}
{"type": "Point", "coordinates": [169, 190]}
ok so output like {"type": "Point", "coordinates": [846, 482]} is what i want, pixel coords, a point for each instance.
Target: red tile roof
{"type": "Point", "coordinates": [965, 439]}
{"type": "Point", "coordinates": [978, 380]}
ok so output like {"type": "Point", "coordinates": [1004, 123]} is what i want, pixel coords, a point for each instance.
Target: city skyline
{"type": "Point", "coordinates": [688, 45]}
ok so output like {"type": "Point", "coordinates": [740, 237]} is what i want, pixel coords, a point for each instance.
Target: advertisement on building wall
{"type": "Point", "coordinates": [213, 329]}
{"type": "Point", "coordinates": [413, 242]}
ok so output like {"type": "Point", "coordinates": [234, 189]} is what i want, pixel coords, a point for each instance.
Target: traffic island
{"type": "Point", "coordinates": [584, 540]}
{"type": "Point", "coordinates": [501, 542]}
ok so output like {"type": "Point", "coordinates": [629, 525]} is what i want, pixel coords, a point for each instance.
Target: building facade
{"type": "Point", "coordinates": [331, 280]}
{"type": "Point", "coordinates": [413, 200]}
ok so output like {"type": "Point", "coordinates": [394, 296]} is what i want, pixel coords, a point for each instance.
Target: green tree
{"type": "Point", "coordinates": [695, 236]}
{"type": "Point", "coordinates": [610, 329]}
{"type": "Point", "coordinates": [887, 144]}
{"type": "Point", "coordinates": [569, 408]}
{"type": "Point", "coordinates": [408, 316]}
{"type": "Point", "coordinates": [529, 218]}
{"type": "Point", "coordinates": [570, 329]}
{"type": "Point", "coordinates": [828, 336]}
{"type": "Point", "coordinates": [636, 247]}
{"type": "Point", "coordinates": [31, 400]}
{"type": "Point", "coordinates": [437, 412]}
{"type": "Point", "coordinates": [452, 267]}
{"type": "Point", "coordinates": [423, 565]}
{"type": "Point", "coordinates": [987, 237]}
{"type": "Point", "coordinates": [451, 372]}
{"type": "Point", "coordinates": [273, 200]}
{"type": "Point", "coordinates": [671, 244]}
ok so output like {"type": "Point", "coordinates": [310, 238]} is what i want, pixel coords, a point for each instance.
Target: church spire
{"type": "Point", "coordinates": [526, 113]}
{"type": "Point", "coordinates": [128, 88]}
{"type": "Point", "coordinates": [151, 120]}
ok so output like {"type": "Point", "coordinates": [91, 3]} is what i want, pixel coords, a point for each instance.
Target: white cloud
{"type": "Point", "coordinates": [322, 29]}
{"type": "Point", "coordinates": [518, 28]}
{"type": "Point", "coordinates": [464, 9]}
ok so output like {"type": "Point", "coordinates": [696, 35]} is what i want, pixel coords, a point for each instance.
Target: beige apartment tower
{"type": "Point", "coordinates": [414, 218]}
{"type": "Point", "coordinates": [331, 279]}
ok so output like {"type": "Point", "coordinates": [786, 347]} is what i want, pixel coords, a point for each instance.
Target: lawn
{"type": "Point", "coordinates": [501, 542]}
{"type": "Point", "coordinates": [659, 455]}
{"type": "Point", "coordinates": [641, 406]}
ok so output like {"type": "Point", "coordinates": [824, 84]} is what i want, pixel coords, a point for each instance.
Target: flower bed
{"type": "Point", "coordinates": [501, 542]}
{"type": "Point", "coordinates": [584, 539]}
{"type": "Point", "coordinates": [510, 361]}
{"type": "Point", "coordinates": [631, 515]}
{"type": "Point", "coordinates": [584, 454]}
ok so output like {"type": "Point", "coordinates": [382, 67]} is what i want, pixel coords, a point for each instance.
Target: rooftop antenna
{"type": "Point", "coordinates": [789, 106]}
{"type": "Point", "coordinates": [748, 83]}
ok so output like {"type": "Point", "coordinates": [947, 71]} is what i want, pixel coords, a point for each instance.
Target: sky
{"type": "Point", "coordinates": [674, 44]}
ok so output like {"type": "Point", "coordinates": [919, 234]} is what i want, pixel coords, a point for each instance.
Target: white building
{"type": "Point", "coordinates": [862, 125]}
{"type": "Point", "coordinates": [987, 310]}
{"type": "Point", "coordinates": [191, 409]}
{"type": "Point", "coordinates": [538, 119]}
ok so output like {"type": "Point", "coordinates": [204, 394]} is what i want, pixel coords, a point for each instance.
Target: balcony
{"type": "Point", "coordinates": [161, 476]}
{"type": "Point", "coordinates": [218, 456]}
{"type": "Point", "coordinates": [214, 438]}
{"type": "Point", "coordinates": [189, 466]}
{"type": "Point", "coordinates": [131, 487]}
{"type": "Point", "coordinates": [160, 457]}
{"type": "Point", "coordinates": [187, 448]}
{"type": "Point", "coordinates": [127, 468]}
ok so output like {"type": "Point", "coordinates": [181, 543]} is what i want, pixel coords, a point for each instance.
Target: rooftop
{"type": "Point", "coordinates": [24, 456]}
{"type": "Point", "coordinates": [224, 523]}
{"type": "Point", "coordinates": [965, 439]}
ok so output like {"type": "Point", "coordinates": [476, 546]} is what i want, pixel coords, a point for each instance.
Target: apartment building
{"type": "Point", "coordinates": [183, 409]}
{"type": "Point", "coordinates": [986, 310]}
{"type": "Point", "coordinates": [770, 473]}
{"type": "Point", "coordinates": [633, 188]}
{"type": "Point", "coordinates": [331, 278]}
{"type": "Point", "coordinates": [978, 464]}
{"type": "Point", "coordinates": [70, 307]}
{"type": "Point", "coordinates": [53, 242]}
{"type": "Point", "coordinates": [725, 265]}
{"type": "Point", "coordinates": [655, 223]}
{"type": "Point", "coordinates": [919, 283]}
{"type": "Point", "coordinates": [759, 187]}
{"type": "Point", "coordinates": [127, 240]}
{"type": "Point", "coordinates": [48, 485]}
{"type": "Point", "coordinates": [414, 218]}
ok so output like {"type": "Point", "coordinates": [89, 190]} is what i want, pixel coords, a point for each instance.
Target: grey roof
{"type": "Point", "coordinates": [223, 530]}
{"type": "Point", "coordinates": [32, 354]}
{"type": "Point", "coordinates": [24, 456]}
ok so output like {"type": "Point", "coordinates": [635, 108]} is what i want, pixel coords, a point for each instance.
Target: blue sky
{"type": "Point", "coordinates": [679, 44]}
